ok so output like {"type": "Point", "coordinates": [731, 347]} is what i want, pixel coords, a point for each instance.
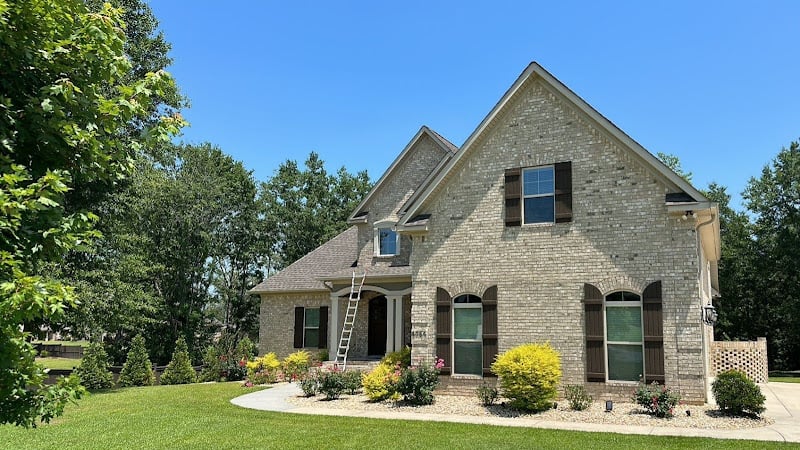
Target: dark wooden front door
{"type": "Point", "coordinates": [377, 327]}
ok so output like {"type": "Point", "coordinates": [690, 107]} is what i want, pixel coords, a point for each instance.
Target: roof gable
{"type": "Point", "coordinates": [359, 215]}
{"type": "Point", "coordinates": [534, 70]}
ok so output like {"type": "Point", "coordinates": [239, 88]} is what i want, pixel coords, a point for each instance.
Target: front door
{"type": "Point", "coordinates": [377, 327]}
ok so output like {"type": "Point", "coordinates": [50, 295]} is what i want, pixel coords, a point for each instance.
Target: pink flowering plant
{"type": "Point", "coordinates": [416, 384]}
{"type": "Point", "coordinates": [657, 400]}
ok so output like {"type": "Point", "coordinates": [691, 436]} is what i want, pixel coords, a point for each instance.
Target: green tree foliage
{"type": "Point", "coordinates": [774, 200]}
{"type": "Point", "coordinates": [308, 207]}
{"type": "Point", "coordinates": [63, 97]}
{"type": "Point", "coordinates": [137, 370]}
{"type": "Point", "coordinates": [93, 370]}
{"type": "Point", "coordinates": [674, 163]}
{"type": "Point", "coordinates": [179, 370]}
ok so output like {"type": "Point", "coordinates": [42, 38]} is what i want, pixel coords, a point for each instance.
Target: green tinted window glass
{"type": "Point", "coordinates": [625, 362]}
{"type": "Point", "coordinates": [312, 317]}
{"type": "Point", "coordinates": [468, 358]}
{"type": "Point", "coordinates": [468, 323]}
{"type": "Point", "coordinates": [624, 323]}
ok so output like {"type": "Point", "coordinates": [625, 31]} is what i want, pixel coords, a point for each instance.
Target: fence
{"type": "Point", "coordinates": [748, 356]}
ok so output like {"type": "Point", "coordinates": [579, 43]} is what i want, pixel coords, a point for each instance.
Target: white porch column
{"type": "Point", "coordinates": [394, 323]}
{"type": "Point", "coordinates": [333, 328]}
{"type": "Point", "coordinates": [389, 324]}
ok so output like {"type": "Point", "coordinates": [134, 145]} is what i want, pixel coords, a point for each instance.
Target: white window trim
{"type": "Point", "coordinates": [319, 338]}
{"type": "Point", "coordinates": [552, 195]}
{"type": "Point", "coordinates": [377, 239]}
{"type": "Point", "coordinates": [615, 304]}
{"type": "Point", "coordinates": [454, 340]}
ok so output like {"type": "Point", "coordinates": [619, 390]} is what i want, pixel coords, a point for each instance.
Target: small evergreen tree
{"type": "Point", "coordinates": [93, 370]}
{"type": "Point", "coordinates": [138, 370]}
{"type": "Point", "coordinates": [179, 370]}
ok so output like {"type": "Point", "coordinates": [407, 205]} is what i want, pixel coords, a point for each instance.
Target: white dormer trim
{"type": "Point", "coordinates": [382, 225]}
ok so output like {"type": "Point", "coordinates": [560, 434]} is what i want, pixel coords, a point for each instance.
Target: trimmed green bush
{"type": "Point", "coordinates": [352, 381]}
{"type": "Point", "coordinates": [577, 397]}
{"type": "Point", "coordinates": [401, 358]}
{"type": "Point", "coordinates": [487, 394]}
{"type": "Point", "coordinates": [179, 370]}
{"type": "Point", "coordinates": [138, 370]}
{"type": "Point", "coordinates": [657, 399]}
{"type": "Point", "coordinates": [737, 395]}
{"type": "Point", "coordinates": [529, 376]}
{"type": "Point", "coordinates": [416, 384]}
{"type": "Point", "coordinates": [93, 370]}
{"type": "Point", "coordinates": [331, 383]}
{"type": "Point", "coordinates": [309, 383]}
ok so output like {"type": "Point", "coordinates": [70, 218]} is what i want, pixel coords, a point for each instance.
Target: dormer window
{"type": "Point", "coordinates": [386, 241]}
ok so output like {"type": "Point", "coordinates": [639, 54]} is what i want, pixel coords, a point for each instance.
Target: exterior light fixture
{"type": "Point", "coordinates": [609, 405]}
{"type": "Point", "coordinates": [709, 315]}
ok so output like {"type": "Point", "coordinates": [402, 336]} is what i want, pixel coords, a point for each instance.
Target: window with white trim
{"type": "Point", "coordinates": [387, 241]}
{"type": "Point", "coordinates": [538, 195]}
{"type": "Point", "coordinates": [467, 335]}
{"type": "Point", "coordinates": [311, 327]}
{"type": "Point", "coordinates": [624, 336]}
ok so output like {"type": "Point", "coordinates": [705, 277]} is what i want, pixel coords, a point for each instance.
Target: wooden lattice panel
{"type": "Point", "coordinates": [749, 356]}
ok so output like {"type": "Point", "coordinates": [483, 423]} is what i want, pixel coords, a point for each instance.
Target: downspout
{"type": "Point", "coordinates": [706, 345]}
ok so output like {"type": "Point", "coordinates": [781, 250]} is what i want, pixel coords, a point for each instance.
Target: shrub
{"type": "Point", "coordinates": [381, 383]}
{"type": "Point", "coordinates": [309, 384]}
{"type": "Point", "coordinates": [44, 353]}
{"type": "Point", "coordinates": [93, 369]}
{"type": "Point", "coordinates": [179, 370]}
{"type": "Point", "coordinates": [264, 370]}
{"type": "Point", "coordinates": [577, 397]}
{"type": "Point", "coordinates": [417, 384]}
{"type": "Point", "coordinates": [401, 358]}
{"type": "Point", "coordinates": [352, 382]}
{"type": "Point", "coordinates": [656, 399]}
{"type": "Point", "coordinates": [137, 370]}
{"type": "Point", "coordinates": [487, 394]}
{"type": "Point", "coordinates": [296, 365]}
{"type": "Point", "coordinates": [529, 376]}
{"type": "Point", "coordinates": [737, 395]}
{"type": "Point", "coordinates": [245, 349]}
{"type": "Point", "coordinates": [331, 383]}
{"type": "Point", "coordinates": [212, 365]}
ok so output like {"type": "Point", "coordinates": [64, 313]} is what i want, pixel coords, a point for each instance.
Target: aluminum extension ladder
{"type": "Point", "coordinates": [349, 320]}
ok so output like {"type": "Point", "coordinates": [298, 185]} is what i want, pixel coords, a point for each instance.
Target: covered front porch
{"type": "Point", "coordinates": [383, 319]}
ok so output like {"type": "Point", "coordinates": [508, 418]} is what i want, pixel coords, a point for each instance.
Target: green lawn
{"type": "Point", "coordinates": [58, 363]}
{"type": "Point", "coordinates": [200, 416]}
{"type": "Point", "coordinates": [784, 379]}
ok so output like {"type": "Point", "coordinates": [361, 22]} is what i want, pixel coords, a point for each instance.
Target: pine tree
{"type": "Point", "coordinates": [138, 370]}
{"type": "Point", "coordinates": [93, 370]}
{"type": "Point", "coordinates": [179, 370]}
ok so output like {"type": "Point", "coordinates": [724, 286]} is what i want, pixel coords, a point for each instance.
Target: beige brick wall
{"type": "Point", "coordinates": [276, 330]}
{"type": "Point", "coordinates": [620, 238]}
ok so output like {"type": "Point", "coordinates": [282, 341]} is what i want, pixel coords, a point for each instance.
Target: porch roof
{"type": "Point", "coordinates": [374, 273]}
{"type": "Point", "coordinates": [304, 275]}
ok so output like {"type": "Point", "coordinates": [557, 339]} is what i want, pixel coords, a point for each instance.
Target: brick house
{"type": "Point", "coordinates": [548, 224]}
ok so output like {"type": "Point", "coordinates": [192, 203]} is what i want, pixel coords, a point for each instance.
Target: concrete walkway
{"type": "Point", "coordinates": [783, 405]}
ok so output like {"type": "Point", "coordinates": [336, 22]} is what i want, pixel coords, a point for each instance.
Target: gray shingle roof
{"type": "Point", "coordinates": [304, 274]}
{"type": "Point", "coordinates": [372, 272]}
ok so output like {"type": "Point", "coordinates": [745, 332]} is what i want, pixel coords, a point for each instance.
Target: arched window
{"type": "Point", "coordinates": [467, 335]}
{"type": "Point", "coordinates": [624, 336]}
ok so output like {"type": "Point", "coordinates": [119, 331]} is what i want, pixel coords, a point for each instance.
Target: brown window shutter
{"type": "Point", "coordinates": [443, 327]}
{"type": "Point", "coordinates": [489, 330]}
{"type": "Point", "coordinates": [298, 326]}
{"type": "Point", "coordinates": [653, 327]}
{"type": "Point", "coordinates": [513, 197]}
{"type": "Point", "coordinates": [323, 327]}
{"type": "Point", "coordinates": [563, 191]}
{"type": "Point", "coordinates": [595, 336]}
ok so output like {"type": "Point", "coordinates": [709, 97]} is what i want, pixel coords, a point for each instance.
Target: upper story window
{"type": "Point", "coordinates": [386, 241]}
{"type": "Point", "coordinates": [538, 192]}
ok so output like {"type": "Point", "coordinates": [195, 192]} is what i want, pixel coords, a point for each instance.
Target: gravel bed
{"type": "Point", "coordinates": [704, 416]}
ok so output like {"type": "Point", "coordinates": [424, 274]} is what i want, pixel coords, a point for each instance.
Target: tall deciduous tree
{"type": "Point", "coordinates": [307, 207]}
{"type": "Point", "coordinates": [774, 199]}
{"type": "Point", "coordinates": [62, 100]}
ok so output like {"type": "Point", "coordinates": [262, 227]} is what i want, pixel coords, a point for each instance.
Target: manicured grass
{"type": "Point", "coordinates": [784, 379]}
{"type": "Point", "coordinates": [59, 363]}
{"type": "Point", "coordinates": [64, 343]}
{"type": "Point", "coordinates": [200, 416]}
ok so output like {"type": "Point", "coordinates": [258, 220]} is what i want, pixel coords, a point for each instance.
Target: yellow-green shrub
{"type": "Point", "coordinates": [296, 364]}
{"type": "Point", "coordinates": [401, 357]}
{"type": "Point", "coordinates": [264, 369]}
{"type": "Point", "coordinates": [381, 382]}
{"type": "Point", "coordinates": [529, 375]}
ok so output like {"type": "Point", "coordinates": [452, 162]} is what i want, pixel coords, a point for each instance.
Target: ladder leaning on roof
{"type": "Point", "coordinates": [349, 320]}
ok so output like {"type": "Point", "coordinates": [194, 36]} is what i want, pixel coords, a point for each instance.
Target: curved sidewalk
{"type": "Point", "coordinates": [783, 405]}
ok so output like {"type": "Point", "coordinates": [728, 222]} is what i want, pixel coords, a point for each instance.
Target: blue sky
{"type": "Point", "coordinates": [715, 83]}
